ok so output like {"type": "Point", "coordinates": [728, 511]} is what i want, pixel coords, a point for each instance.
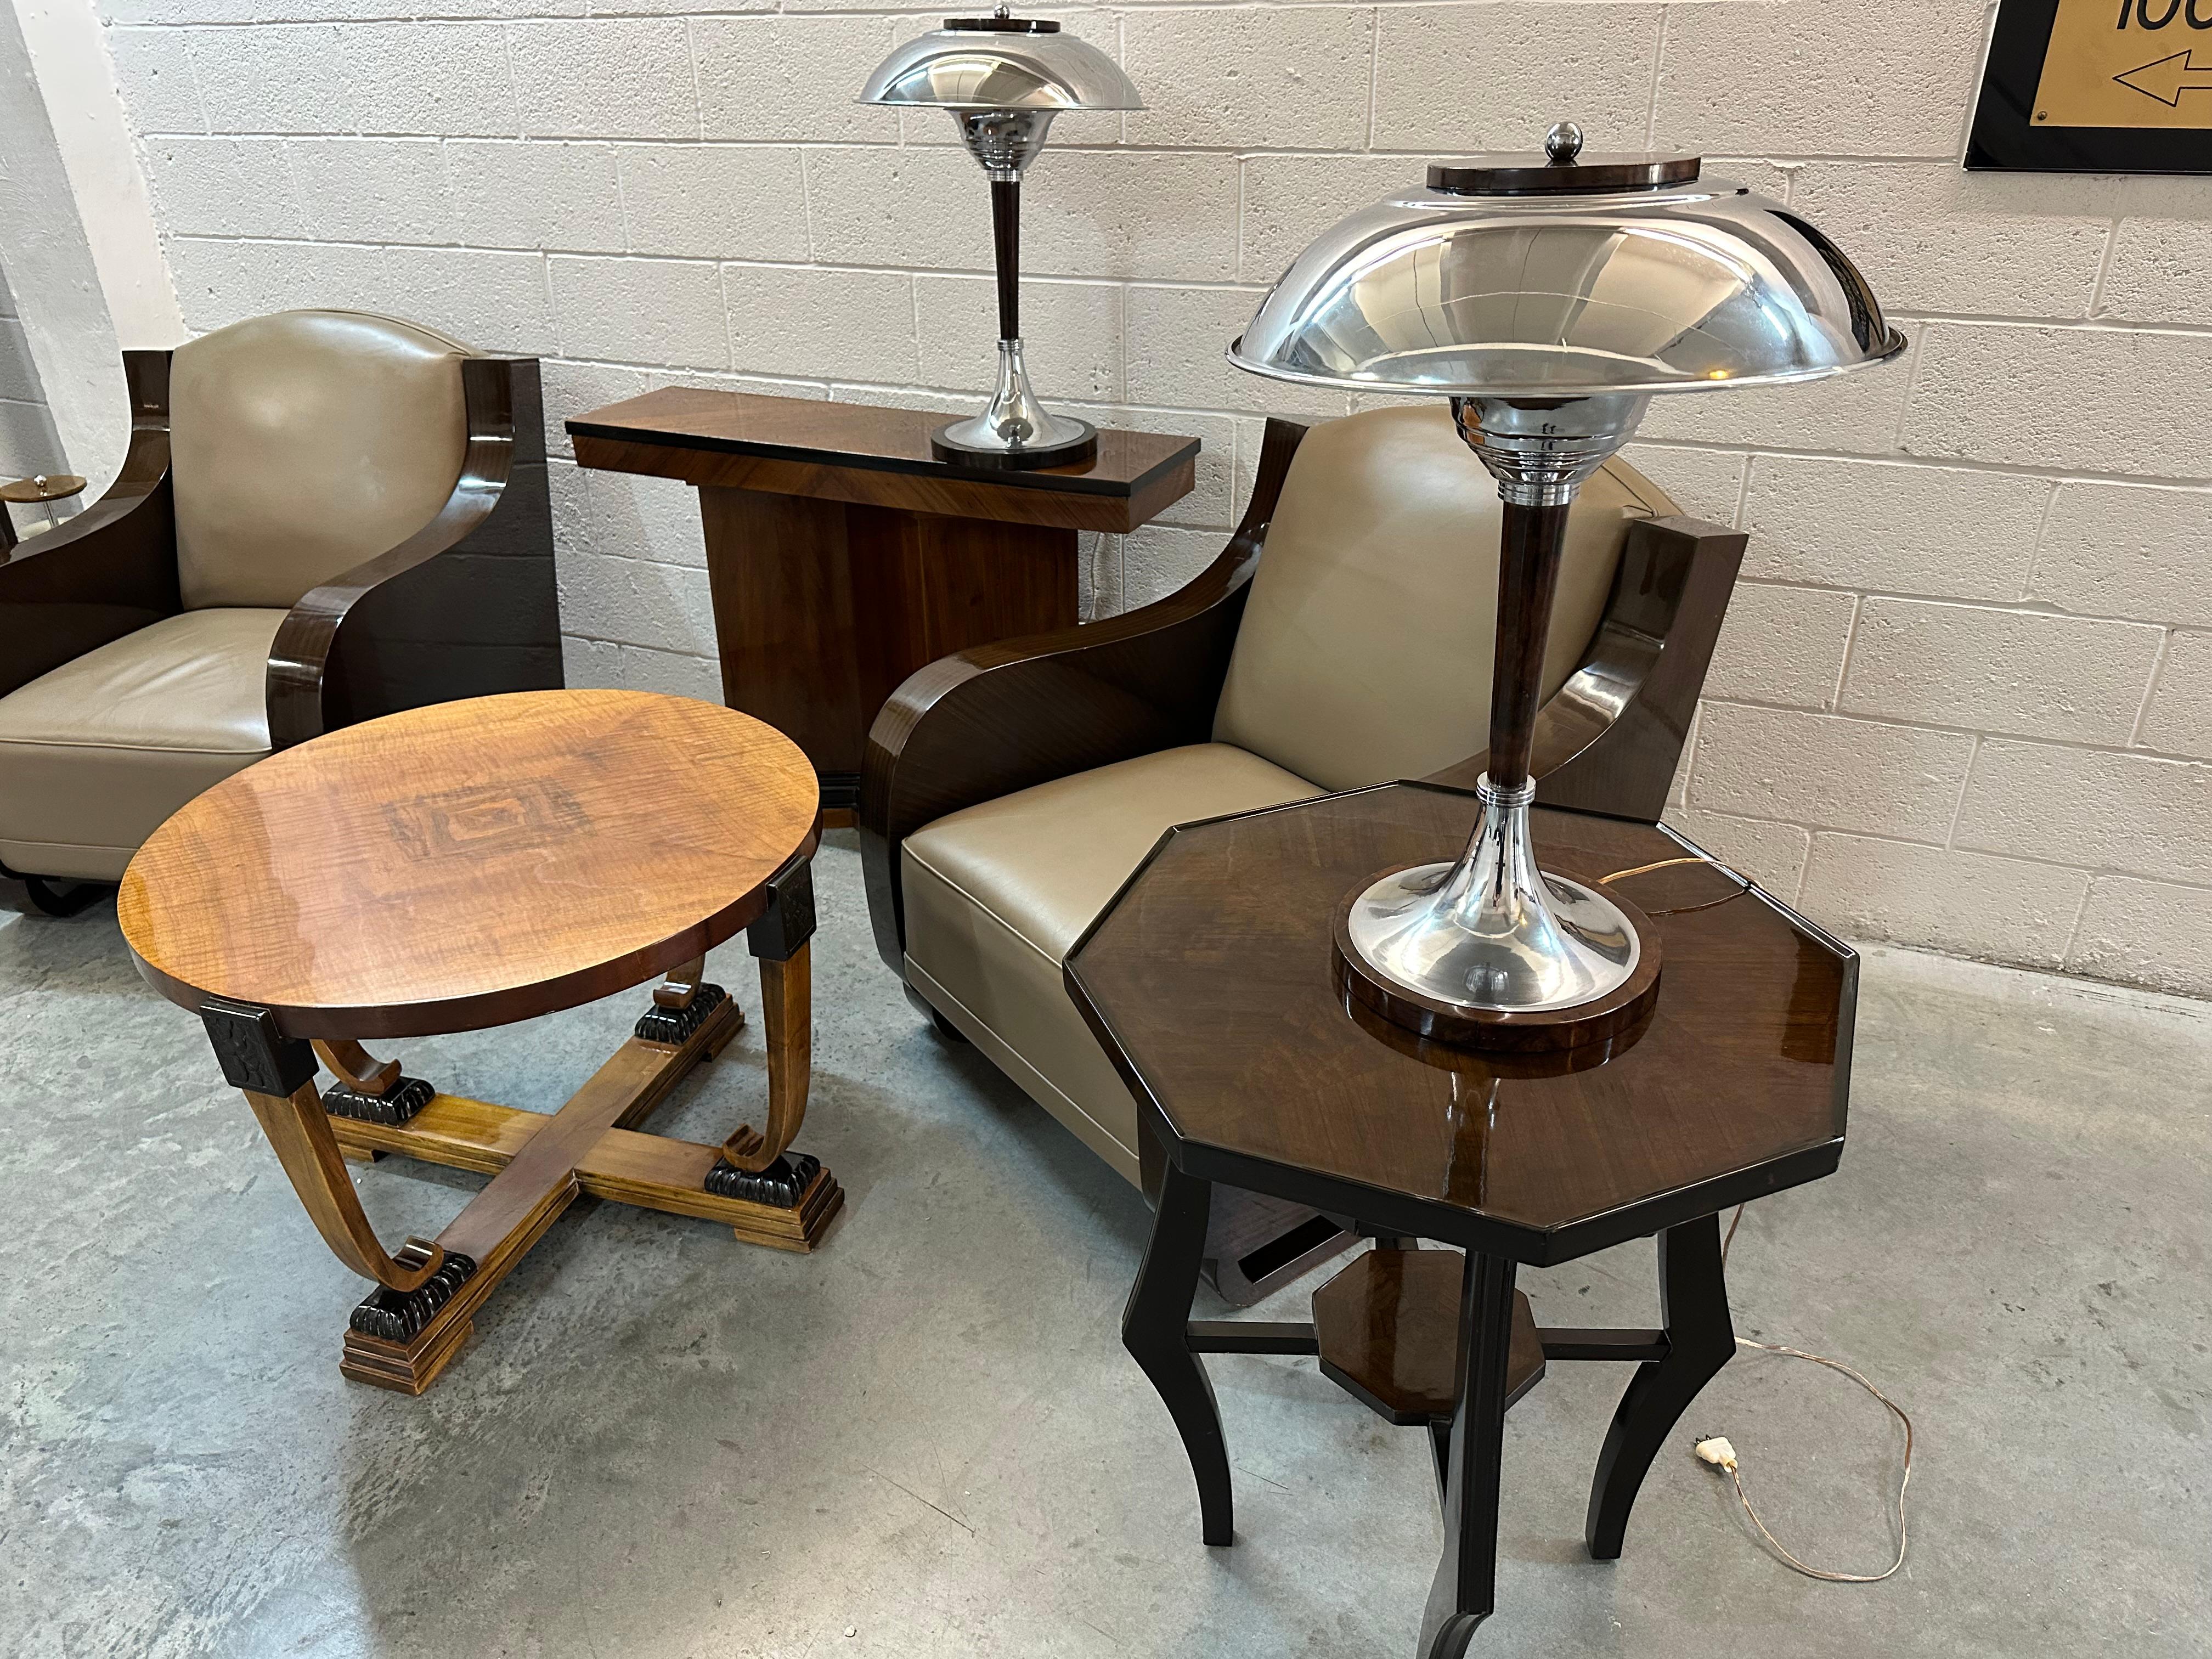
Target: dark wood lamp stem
{"type": "Point", "coordinates": [1006, 242]}
{"type": "Point", "coordinates": [1528, 575]}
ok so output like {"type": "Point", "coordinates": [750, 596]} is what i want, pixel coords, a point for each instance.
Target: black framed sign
{"type": "Point", "coordinates": [2097, 86]}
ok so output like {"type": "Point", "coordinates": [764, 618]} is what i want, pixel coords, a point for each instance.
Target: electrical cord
{"type": "Point", "coordinates": [1717, 1452]}
{"type": "Point", "coordinates": [1714, 1450]}
{"type": "Point", "coordinates": [1668, 864]}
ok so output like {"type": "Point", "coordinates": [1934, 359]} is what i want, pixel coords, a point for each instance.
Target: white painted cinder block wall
{"type": "Point", "coordinates": [1964, 697]}
{"type": "Point", "coordinates": [29, 443]}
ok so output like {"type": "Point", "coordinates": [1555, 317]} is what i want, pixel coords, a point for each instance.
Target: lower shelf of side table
{"type": "Point", "coordinates": [1387, 1329]}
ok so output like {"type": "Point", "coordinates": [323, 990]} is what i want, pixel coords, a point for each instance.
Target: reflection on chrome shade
{"type": "Point", "coordinates": [1691, 286]}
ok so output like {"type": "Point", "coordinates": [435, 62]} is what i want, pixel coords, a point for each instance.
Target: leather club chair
{"type": "Point", "coordinates": [1342, 638]}
{"type": "Point", "coordinates": [323, 516]}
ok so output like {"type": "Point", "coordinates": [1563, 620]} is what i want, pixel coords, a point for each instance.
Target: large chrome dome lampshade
{"type": "Point", "coordinates": [1550, 297]}
{"type": "Point", "coordinates": [1004, 78]}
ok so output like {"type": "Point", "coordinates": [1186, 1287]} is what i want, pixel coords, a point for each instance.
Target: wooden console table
{"type": "Point", "coordinates": [844, 556]}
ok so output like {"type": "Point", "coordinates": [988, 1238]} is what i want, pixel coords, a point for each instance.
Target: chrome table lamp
{"type": "Point", "coordinates": [1550, 297]}
{"type": "Point", "coordinates": [1004, 78]}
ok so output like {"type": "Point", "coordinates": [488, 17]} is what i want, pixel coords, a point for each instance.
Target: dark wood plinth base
{"type": "Point", "coordinates": [1545, 1031]}
{"type": "Point", "coordinates": [540, 1165]}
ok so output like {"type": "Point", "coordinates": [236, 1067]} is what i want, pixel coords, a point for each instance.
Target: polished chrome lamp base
{"type": "Point", "coordinates": [1492, 952]}
{"type": "Point", "coordinates": [1015, 431]}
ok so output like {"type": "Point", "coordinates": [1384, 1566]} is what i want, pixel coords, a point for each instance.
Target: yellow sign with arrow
{"type": "Point", "coordinates": [2128, 63]}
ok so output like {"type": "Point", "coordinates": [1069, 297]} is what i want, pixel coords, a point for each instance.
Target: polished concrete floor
{"type": "Point", "coordinates": [925, 1439]}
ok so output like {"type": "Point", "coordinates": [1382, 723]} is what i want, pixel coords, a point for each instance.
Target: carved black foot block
{"type": "Point", "coordinates": [397, 1316]}
{"type": "Point", "coordinates": [658, 1025]}
{"type": "Point", "coordinates": [783, 1183]}
{"type": "Point", "coordinates": [391, 1108]}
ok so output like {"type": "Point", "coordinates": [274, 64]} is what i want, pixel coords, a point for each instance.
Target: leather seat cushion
{"type": "Point", "coordinates": [996, 896]}
{"type": "Point", "coordinates": [1365, 650]}
{"type": "Point", "coordinates": [94, 755]}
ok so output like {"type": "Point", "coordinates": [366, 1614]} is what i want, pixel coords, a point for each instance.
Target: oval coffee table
{"type": "Point", "coordinates": [470, 865]}
{"type": "Point", "coordinates": [1210, 981]}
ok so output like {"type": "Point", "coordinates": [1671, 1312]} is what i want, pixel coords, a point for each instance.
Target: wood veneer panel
{"type": "Point", "coordinates": [1210, 979]}
{"type": "Point", "coordinates": [1388, 1331]}
{"type": "Point", "coordinates": [471, 864]}
{"type": "Point", "coordinates": [781, 569]}
{"type": "Point", "coordinates": [863, 453]}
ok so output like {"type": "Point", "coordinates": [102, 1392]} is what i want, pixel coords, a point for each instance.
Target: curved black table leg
{"type": "Point", "coordinates": [1694, 1306]}
{"type": "Point", "coordinates": [1466, 1587]}
{"type": "Point", "coordinates": [1155, 1331]}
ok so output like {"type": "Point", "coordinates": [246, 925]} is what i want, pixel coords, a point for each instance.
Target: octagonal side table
{"type": "Point", "coordinates": [1211, 983]}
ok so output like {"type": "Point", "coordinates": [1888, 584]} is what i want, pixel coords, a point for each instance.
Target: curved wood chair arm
{"type": "Point", "coordinates": [333, 662]}
{"type": "Point", "coordinates": [1007, 716]}
{"type": "Point", "coordinates": [1609, 741]}
{"type": "Point", "coordinates": [111, 570]}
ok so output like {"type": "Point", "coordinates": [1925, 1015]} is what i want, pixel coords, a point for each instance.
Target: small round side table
{"type": "Point", "coordinates": [1210, 983]}
{"type": "Point", "coordinates": [470, 864]}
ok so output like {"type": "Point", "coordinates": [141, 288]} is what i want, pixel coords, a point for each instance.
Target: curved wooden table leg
{"type": "Point", "coordinates": [788, 1022]}
{"type": "Point", "coordinates": [1155, 1330]}
{"type": "Point", "coordinates": [754, 1165]}
{"type": "Point", "coordinates": [1700, 1340]}
{"type": "Point", "coordinates": [299, 1130]}
{"type": "Point", "coordinates": [276, 1075]}
{"type": "Point", "coordinates": [1466, 1585]}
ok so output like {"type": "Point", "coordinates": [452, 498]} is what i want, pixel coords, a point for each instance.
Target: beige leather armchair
{"type": "Point", "coordinates": [1342, 639]}
{"type": "Point", "coordinates": [323, 516]}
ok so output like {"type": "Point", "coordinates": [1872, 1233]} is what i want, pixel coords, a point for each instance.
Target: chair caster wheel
{"type": "Point", "coordinates": [946, 1027]}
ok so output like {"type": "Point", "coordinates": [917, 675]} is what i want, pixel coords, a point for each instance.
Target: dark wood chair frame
{"type": "Point", "coordinates": [1000, 718]}
{"type": "Point", "coordinates": [465, 607]}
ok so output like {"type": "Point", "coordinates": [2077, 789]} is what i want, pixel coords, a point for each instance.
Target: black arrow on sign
{"type": "Point", "coordinates": [2168, 78]}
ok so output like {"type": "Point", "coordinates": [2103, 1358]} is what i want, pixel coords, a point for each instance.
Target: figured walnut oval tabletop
{"type": "Point", "coordinates": [1210, 981]}
{"type": "Point", "coordinates": [471, 864]}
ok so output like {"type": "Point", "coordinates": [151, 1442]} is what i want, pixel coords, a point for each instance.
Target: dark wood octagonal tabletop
{"type": "Point", "coordinates": [1210, 979]}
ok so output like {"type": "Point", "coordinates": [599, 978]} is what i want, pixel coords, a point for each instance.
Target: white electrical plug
{"type": "Point", "coordinates": [1717, 1452]}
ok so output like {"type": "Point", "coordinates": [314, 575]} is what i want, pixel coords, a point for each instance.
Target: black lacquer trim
{"type": "Point", "coordinates": [253, 1053]}
{"type": "Point", "coordinates": [1533, 175]}
{"type": "Point", "coordinates": [390, 1109]}
{"type": "Point", "coordinates": [1003, 25]}
{"type": "Point", "coordinates": [782, 1184]}
{"type": "Point", "coordinates": [676, 1025]}
{"type": "Point", "coordinates": [784, 927]}
{"type": "Point", "coordinates": [399, 1315]}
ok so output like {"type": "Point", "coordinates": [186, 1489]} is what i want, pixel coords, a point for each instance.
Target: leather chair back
{"type": "Point", "coordinates": [302, 443]}
{"type": "Point", "coordinates": [1365, 651]}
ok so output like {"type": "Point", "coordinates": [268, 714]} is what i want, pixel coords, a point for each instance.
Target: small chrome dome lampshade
{"type": "Point", "coordinates": [1550, 297]}
{"type": "Point", "coordinates": [1004, 78]}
